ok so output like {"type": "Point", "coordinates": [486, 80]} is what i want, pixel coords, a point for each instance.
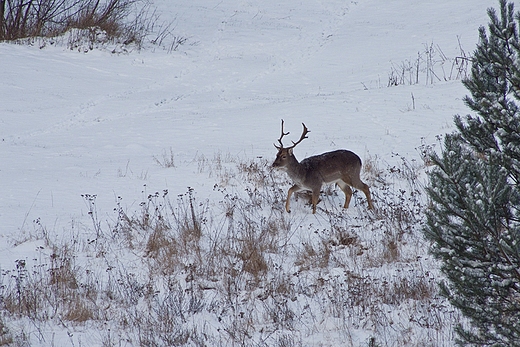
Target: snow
{"type": "Point", "coordinates": [74, 123]}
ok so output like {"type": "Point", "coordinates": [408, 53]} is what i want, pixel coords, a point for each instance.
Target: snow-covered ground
{"type": "Point", "coordinates": [98, 123]}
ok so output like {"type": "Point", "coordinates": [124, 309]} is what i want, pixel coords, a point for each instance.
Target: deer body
{"type": "Point", "coordinates": [341, 167]}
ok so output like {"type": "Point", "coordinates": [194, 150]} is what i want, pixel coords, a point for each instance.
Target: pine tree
{"type": "Point", "coordinates": [474, 219]}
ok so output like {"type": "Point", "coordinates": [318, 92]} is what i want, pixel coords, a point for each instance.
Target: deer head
{"type": "Point", "coordinates": [285, 154]}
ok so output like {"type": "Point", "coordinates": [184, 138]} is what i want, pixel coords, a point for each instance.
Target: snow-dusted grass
{"type": "Point", "coordinates": [236, 269]}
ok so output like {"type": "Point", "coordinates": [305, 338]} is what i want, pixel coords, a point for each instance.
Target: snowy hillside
{"type": "Point", "coordinates": [87, 139]}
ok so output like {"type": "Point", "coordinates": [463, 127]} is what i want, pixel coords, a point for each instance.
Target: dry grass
{"type": "Point", "coordinates": [430, 66]}
{"type": "Point", "coordinates": [310, 256]}
{"type": "Point", "coordinates": [167, 159]}
{"type": "Point", "coordinates": [240, 270]}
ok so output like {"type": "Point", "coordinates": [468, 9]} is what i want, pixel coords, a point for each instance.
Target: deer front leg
{"type": "Point", "coordinates": [366, 190]}
{"type": "Point", "coordinates": [293, 189]}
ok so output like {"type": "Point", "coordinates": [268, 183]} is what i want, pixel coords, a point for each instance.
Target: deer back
{"type": "Point", "coordinates": [330, 167]}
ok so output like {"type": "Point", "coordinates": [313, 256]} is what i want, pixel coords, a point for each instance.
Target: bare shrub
{"type": "Point", "coordinates": [6, 338]}
{"type": "Point", "coordinates": [21, 294]}
{"type": "Point", "coordinates": [88, 24]}
{"type": "Point", "coordinates": [400, 205]}
{"type": "Point", "coordinates": [167, 159]}
{"type": "Point", "coordinates": [165, 322]}
{"type": "Point", "coordinates": [430, 66]}
{"type": "Point", "coordinates": [189, 217]}
{"type": "Point", "coordinates": [162, 247]}
{"type": "Point", "coordinates": [51, 288]}
{"type": "Point", "coordinates": [50, 17]}
{"type": "Point", "coordinates": [390, 250]}
{"type": "Point", "coordinates": [311, 256]}
{"type": "Point", "coordinates": [62, 274]}
{"type": "Point", "coordinates": [107, 15]}
{"type": "Point", "coordinates": [254, 171]}
{"type": "Point", "coordinates": [288, 340]}
{"type": "Point", "coordinates": [252, 258]}
{"type": "Point", "coordinates": [77, 309]}
{"type": "Point", "coordinates": [169, 234]}
{"type": "Point", "coordinates": [372, 169]}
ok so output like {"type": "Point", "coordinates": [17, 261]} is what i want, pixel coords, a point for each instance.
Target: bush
{"type": "Point", "coordinates": [122, 19]}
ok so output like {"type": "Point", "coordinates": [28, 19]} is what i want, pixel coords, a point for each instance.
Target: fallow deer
{"type": "Point", "coordinates": [341, 167]}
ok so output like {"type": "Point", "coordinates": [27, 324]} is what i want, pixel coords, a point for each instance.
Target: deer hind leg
{"type": "Point", "coordinates": [348, 192]}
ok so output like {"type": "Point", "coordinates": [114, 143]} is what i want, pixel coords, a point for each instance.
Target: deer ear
{"type": "Point", "coordinates": [290, 151]}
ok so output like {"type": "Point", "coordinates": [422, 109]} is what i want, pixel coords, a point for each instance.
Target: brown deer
{"type": "Point", "coordinates": [341, 167]}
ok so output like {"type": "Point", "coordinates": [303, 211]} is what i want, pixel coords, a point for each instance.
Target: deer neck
{"type": "Point", "coordinates": [294, 169]}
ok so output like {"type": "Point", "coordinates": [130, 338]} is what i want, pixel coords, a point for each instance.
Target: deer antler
{"type": "Point", "coordinates": [304, 136]}
{"type": "Point", "coordinates": [280, 139]}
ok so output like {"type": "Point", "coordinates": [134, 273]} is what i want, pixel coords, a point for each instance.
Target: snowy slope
{"type": "Point", "coordinates": [76, 123]}
{"type": "Point", "coordinates": [70, 121]}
